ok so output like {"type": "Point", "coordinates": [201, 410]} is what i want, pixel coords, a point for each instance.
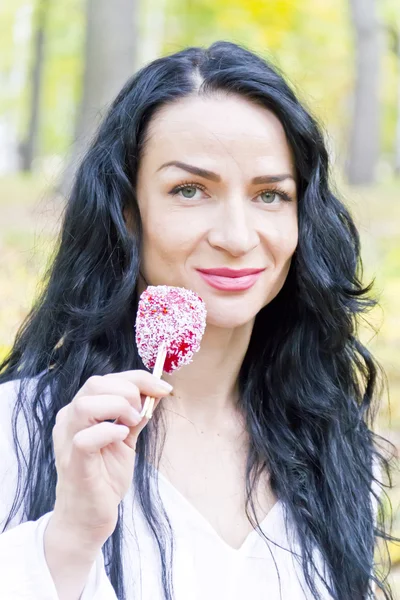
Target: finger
{"type": "Point", "coordinates": [87, 411]}
{"type": "Point", "coordinates": [91, 440]}
{"type": "Point", "coordinates": [132, 437]}
{"type": "Point", "coordinates": [62, 413]}
{"type": "Point", "coordinates": [114, 385]}
{"type": "Point", "coordinates": [148, 384]}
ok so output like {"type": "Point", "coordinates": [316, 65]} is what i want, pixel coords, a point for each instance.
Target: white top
{"type": "Point", "coordinates": [205, 567]}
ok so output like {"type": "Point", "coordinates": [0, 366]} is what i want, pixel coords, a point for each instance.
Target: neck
{"type": "Point", "coordinates": [206, 391]}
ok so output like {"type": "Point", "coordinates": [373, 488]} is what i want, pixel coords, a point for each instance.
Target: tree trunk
{"type": "Point", "coordinates": [397, 140]}
{"type": "Point", "coordinates": [152, 31]}
{"type": "Point", "coordinates": [28, 146]}
{"type": "Point", "coordinates": [365, 129]}
{"type": "Point", "coordinates": [109, 62]}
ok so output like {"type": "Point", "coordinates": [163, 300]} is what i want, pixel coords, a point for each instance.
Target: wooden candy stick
{"type": "Point", "coordinates": [148, 406]}
{"type": "Point", "coordinates": [147, 410]}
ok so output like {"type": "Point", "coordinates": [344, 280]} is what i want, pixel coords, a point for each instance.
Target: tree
{"type": "Point", "coordinates": [397, 142]}
{"type": "Point", "coordinates": [29, 146]}
{"type": "Point", "coordinates": [365, 127]}
{"type": "Point", "coordinates": [109, 61]}
{"type": "Point", "coordinates": [394, 32]}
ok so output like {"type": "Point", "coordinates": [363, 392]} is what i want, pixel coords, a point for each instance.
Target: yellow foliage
{"type": "Point", "coordinates": [394, 550]}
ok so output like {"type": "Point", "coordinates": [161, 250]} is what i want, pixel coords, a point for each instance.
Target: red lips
{"type": "Point", "coordinates": [230, 272]}
{"type": "Point", "coordinates": [231, 280]}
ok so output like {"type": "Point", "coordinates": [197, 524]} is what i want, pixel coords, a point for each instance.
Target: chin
{"type": "Point", "coordinates": [230, 317]}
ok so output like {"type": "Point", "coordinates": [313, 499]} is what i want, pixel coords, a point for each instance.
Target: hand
{"type": "Point", "coordinates": [94, 458]}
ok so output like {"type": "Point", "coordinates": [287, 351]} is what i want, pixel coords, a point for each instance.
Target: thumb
{"type": "Point", "coordinates": [134, 432]}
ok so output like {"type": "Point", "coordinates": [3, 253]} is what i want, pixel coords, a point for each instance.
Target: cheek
{"type": "Point", "coordinates": [282, 240]}
{"type": "Point", "coordinates": [291, 238]}
{"type": "Point", "coordinates": [169, 235]}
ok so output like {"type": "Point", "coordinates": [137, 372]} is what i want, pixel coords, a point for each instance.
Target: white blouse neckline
{"type": "Point", "coordinates": [206, 525]}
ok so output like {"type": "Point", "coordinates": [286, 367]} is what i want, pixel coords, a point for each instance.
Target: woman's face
{"type": "Point", "coordinates": [226, 214]}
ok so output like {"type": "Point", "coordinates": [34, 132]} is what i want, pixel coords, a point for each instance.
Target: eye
{"type": "Point", "coordinates": [188, 190]}
{"type": "Point", "coordinates": [271, 195]}
{"type": "Point", "coordinates": [268, 197]}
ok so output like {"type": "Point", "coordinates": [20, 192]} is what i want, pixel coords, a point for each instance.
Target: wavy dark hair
{"type": "Point", "coordinates": [308, 388]}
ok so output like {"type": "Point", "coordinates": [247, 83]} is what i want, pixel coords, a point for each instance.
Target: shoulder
{"type": "Point", "coordinates": [9, 391]}
{"type": "Point", "coordinates": [8, 397]}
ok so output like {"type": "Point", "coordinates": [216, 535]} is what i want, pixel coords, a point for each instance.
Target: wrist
{"type": "Point", "coordinates": [75, 545]}
{"type": "Point", "coordinates": [70, 559]}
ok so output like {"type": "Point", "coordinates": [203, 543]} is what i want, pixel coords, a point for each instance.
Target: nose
{"type": "Point", "coordinates": [234, 230]}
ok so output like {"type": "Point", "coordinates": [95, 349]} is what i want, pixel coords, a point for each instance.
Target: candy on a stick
{"type": "Point", "coordinates": [170, 323]}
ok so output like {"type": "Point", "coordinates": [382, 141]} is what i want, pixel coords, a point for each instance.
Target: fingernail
{"type": "Point", "coordinates": [136, 416]}
{"type": "Point", "coordinates": [166, 386]}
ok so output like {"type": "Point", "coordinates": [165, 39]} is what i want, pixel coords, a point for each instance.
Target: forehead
{"type": "Point", "coordinates": [218, 127]}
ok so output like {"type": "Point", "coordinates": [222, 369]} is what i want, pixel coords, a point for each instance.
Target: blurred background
{"type": "Point", "coordinates": [61, 63]}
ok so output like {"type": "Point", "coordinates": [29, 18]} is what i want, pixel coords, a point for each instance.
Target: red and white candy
{"type": "Point", "coordinates": [171, 318]}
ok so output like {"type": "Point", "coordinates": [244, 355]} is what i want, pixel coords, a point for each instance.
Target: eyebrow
{"type": "Point", "coordinates": [214, 177]}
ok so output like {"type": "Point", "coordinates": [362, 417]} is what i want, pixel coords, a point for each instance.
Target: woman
{"type": "Point", "coordinates": [255, 476]}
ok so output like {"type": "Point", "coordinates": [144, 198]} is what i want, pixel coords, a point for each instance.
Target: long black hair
{"type": "Point", "coordinates": [308, 387]}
